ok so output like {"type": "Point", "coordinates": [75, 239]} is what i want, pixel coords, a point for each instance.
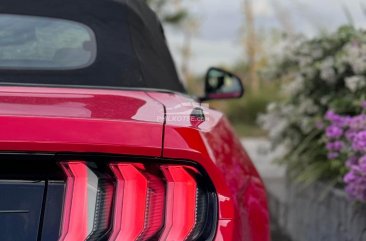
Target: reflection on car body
{"type": "Point", "coordinates": [89, 145]}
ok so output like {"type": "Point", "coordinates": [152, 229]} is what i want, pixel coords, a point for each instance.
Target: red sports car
{"type": "Point", "coordinates": [99, 140]}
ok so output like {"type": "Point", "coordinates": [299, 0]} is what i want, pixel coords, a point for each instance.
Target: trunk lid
{"type": "Point", "coordinates": [80, 120]}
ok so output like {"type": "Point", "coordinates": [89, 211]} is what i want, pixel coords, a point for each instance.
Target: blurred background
{"type": "Point", "coordinates": [247, 37]}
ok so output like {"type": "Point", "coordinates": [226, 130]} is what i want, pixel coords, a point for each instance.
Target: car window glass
{"type": "Point", "coordinates": [29, 42]}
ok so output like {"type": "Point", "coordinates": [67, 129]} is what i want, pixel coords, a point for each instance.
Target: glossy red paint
{"type": "Point", "coordinates": [80, 120]}
{"type": "Point", "coordinates": [132, 123]}
{"type": "Point", "coordinates": [243, 208]}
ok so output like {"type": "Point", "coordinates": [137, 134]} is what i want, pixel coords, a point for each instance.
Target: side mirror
{"type": "Point", "coordinates": [220, 84]}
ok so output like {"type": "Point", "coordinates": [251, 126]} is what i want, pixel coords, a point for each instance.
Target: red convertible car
{"type": "Point", "coordinates": [99, 140]}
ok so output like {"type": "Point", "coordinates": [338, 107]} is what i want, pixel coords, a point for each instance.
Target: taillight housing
{"type": "Point", "coordinates": [137, 201]}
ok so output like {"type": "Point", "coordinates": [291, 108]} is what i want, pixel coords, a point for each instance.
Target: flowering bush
{"type": "Point", "coordinates": [346, 140]}
{"type": "Point", "coordinates": [319, 75]}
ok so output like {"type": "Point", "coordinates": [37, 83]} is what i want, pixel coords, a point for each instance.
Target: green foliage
{"type": "Point", "coordinates": [176, 17]}
{"type": "Point", "coordinates": [243, 113]}
{"type": "Point", "coordinates": [168, 11]}
{"type": "Point", "coordinates": [321, 74]}
{"type": "Point", "coordinates": [246, 110]}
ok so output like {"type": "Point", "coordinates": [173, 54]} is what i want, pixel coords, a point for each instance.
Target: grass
{"type": "Point", "coordinates": [247, 130]}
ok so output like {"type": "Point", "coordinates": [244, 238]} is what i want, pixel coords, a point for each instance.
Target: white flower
{"type": "Point", "coordinates": [288, 109]}
{"type": "Point", "coordinates": [295, 86]}
{"type": "Point", "coordinates": [305, 61]}
{"type": "Point", "coordinates": [317, 53]}
{"type": "Point", "coordinates": [359, 65]}
{"type": "Point", "coordinates": [305, 49]}
{"type": "Point", "coordinates": [356, 56]}
{"type": "Point", "coordinates": [325, 100]}
{"type": "Point", "coordinates": [306, 125]}
{"type": "Point", "coordinates": [271, 107]}
{"type": "Point", "coordinates": [309, 72]}
{"type": "Point", "coordinates": [307, 106]}
{"type": "Point", "coordinates": [328, 75]}
{"type": "Point", "coordinates": [341, 66]}
{"type": "Point", "coordinates": [327, 72]}
{"type": "Point", "coordinates": [275, 121]}
{"type": "Point", "coordinates": [355, 83]}
{"type": "Point", "coordinates": [278, 128]}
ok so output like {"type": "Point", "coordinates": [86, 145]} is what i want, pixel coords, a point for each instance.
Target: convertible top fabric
{"type": "Point", "coordinates": [132, 50]}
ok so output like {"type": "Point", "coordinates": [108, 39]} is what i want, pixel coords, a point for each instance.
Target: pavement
{"type": "Point", "coordinates": [273, 175]}
{"type": "Point", "coordinates": [263, 158]}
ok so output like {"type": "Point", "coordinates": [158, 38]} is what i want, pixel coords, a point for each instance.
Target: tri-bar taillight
{"type": "Point", "coordinates": [137, 202]}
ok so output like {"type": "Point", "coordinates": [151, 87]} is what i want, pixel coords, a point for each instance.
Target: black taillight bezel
{"type": "Point", "coordinates": [38, 166]}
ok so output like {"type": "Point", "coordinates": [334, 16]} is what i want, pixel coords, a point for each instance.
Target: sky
{"type": "Point", "coordinates": [218, 40]}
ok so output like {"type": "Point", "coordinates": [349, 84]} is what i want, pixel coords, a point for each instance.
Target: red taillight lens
{"type": "Point", "coordinates": [155, 208]}
{"type": "Point", "coordinates": [74, 222]}
{"type": "Point", "coordinates": [137, 202]}
{"type": "Point", "coordinates": [181, 203]}
{"type": "Point", "coordinates": [88, 204]}
{"type": "Point", "coordinates": [130, 203]}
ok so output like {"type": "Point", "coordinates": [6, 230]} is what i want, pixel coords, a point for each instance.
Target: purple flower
{"type": "Point", "coordinates": [363, 105]}
{"type": "Point", "coordinates": [353, 160]}
{"type": "Point", "coordinates": [358, 122]}
{"type": "Point", "coordinates": [336, 119]}
{"type": "Point", "coordinates": [330, 115]}
{"type": "Point", "coordinates": [336, 146]}
{"type": "Point", "coordinates": [362, 164]}
{"type": "Point", "coordinates": [356, 183]}
{"type": "Point", "coordinates": [350, 135]}
{"type": "Point", "coordinates": [334, 132]}
{"type": "Point", "coordinates": [332, 155]}
{"type": "Point", "coordinates": [349, 177]}
{"type": "Point", "coordinates": [359, 142]}
{"type": "Point", "coordinates": [347, 135]}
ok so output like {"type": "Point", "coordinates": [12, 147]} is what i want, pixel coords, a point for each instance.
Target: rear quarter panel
{"type": "Point", "coordinates": [243, 212]}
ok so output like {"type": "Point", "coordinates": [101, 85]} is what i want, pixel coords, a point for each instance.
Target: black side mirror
{"type": "Point", "coordinates": [220, 84]}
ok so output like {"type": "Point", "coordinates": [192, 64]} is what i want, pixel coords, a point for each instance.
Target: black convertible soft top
{"type": "Point", "coordinates": [132, 50]}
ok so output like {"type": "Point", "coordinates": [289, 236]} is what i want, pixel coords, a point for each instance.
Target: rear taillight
{"type": "Point", "coordinates": [87, 205]}
{"type": "Point", "coordinates": [75, 220]}
{"type": "Point", "coordinates": [137, 202]}
{"type": "Point", "coordinates": [130, 209]}
{"type": "Point", "coordinates": [181, 199]}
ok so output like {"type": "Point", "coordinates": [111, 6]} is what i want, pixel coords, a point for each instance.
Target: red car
{"type": "Point", "coordinates": [99, 140]}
